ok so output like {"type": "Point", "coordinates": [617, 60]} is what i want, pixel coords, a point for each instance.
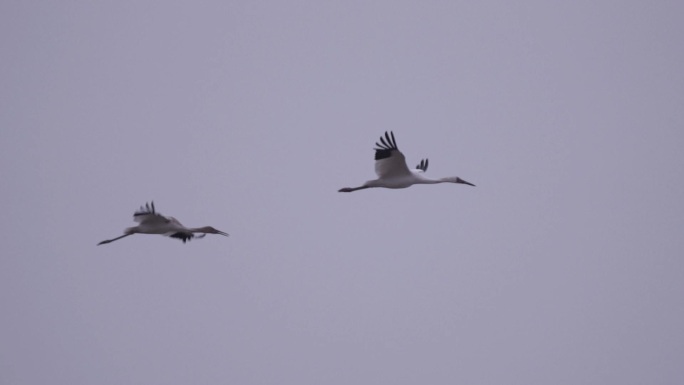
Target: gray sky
{"type": "Point", "coordinates": [563, 266]}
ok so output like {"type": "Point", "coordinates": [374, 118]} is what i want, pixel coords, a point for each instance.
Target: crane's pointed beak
{"type": "Point", "coordinates": [459, 180]}
{"type": "Point", "coordinates": [222, 233]}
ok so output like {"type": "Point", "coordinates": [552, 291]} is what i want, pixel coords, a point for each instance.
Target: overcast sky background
{"type": "Point", "coordinates": [565, 265]}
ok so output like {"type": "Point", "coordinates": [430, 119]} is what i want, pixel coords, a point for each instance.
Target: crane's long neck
{"type": "Point", "coordinates": [449, 179]}
{"type": "Point", "coordinates": [204, 229]}
{"type": "Point", "coordinates": [453, 179]}
{"type": "Point", "coordinates": [422, 179]}
{"type": "Point", "coordinates": [425, 180]}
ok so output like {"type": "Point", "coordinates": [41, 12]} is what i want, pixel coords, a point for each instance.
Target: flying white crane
{"type": "Point", "coordinates": [390, 165]}
{"type": "Point", "coordinates": [151, 222]}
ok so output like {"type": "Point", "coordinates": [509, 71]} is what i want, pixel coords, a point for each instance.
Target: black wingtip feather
{"type": "Point", "coordinates": [382, 154]}
{"type": "Point", "coordinates": [423, 165]}
{"type": "Point", "coordinates": [146, 209]}
{"type": "Point", "coordinates": [386, 145]}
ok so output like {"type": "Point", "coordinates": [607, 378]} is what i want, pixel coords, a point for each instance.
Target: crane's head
{"type": "Point", "coordinates": [455, 179]}
{"type": "Point", "coordinates": [211, 230]}
{"type": "Point", "coordinates": [459, 180]}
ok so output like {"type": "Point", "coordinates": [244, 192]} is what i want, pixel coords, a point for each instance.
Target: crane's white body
{"type": "Point", "coordinates": [392, 171]}
{"type": "Point", "coordinates": [151, 222]}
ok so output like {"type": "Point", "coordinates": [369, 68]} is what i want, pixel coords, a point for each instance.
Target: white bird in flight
{"type": "Point", "coordinates": [390, 165]}
{"type": "Point", "coordinates": [151, 222]}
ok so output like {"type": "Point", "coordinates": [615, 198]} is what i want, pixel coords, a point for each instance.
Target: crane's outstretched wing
{"type": "Point", "coordinates": [422, 166]}
{"type": "Point", "coordinates": [389, 161]}
{"type": "Point", "coordinates": [148, 215]}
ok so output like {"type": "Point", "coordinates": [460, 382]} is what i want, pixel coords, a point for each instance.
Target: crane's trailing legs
{"type": "Point", "coordinates": [112, 240]}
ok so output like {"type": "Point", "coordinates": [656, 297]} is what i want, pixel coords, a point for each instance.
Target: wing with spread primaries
{"type": "Point", "coordinates": [389, 161]}
{"type": "Point", "coordinates": [422, 166]}
{"type": "Point", "coordinates": [149, 216]}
